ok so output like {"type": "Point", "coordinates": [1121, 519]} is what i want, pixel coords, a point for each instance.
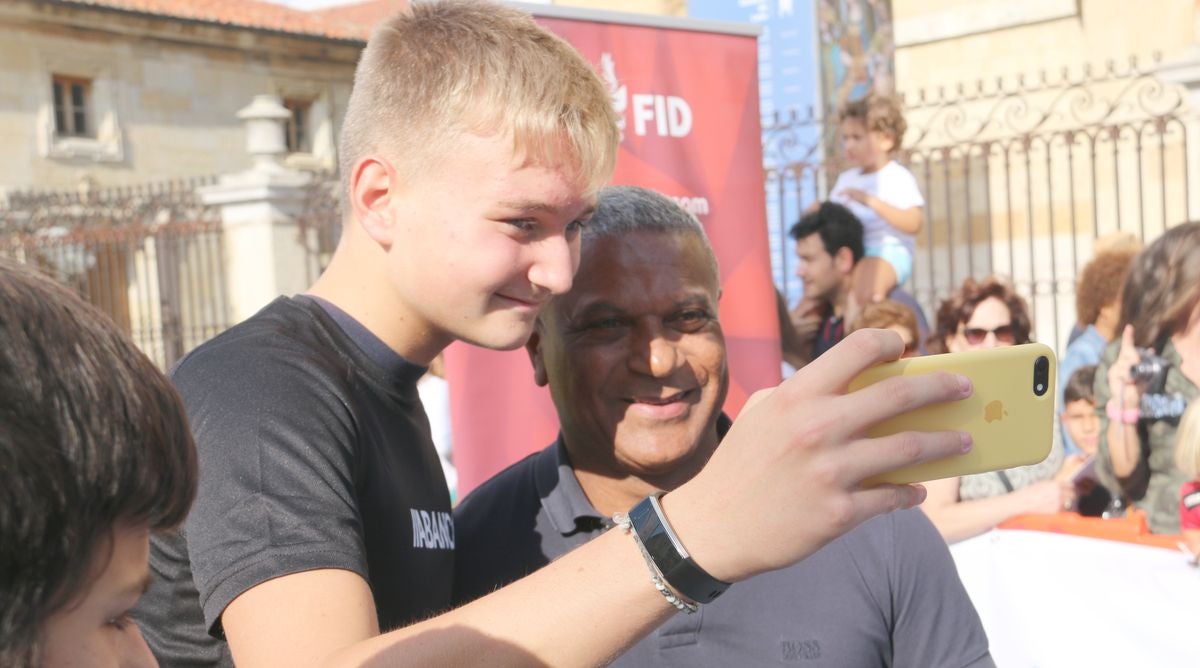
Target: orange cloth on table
{"type": "Point", "coordinates": [1131, 528]}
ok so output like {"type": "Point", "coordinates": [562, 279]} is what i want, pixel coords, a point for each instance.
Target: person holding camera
{"type": "Point", "coordinates": [1148, 377]}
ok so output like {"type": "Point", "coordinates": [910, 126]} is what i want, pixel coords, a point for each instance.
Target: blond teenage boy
{"type": "Point", "coordinates": [473, 145]}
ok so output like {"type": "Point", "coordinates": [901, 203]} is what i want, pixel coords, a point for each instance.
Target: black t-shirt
{"type": "Point", "coordinates": [314, 453]}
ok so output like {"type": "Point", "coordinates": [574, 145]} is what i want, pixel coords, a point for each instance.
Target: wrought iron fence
{"type": "Point", "coordinates": [1020, 178]}
{"type": "Point", "coordinates": [150, 256]}
{"type": "Point", "coordinates": [319, 222]}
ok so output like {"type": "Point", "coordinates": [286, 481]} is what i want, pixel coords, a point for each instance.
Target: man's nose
{"type": "Point", "coordinates": [655, 355]}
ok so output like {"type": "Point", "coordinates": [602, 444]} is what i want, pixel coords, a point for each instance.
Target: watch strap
{"type": "Point", "coordinates": [669, 555]}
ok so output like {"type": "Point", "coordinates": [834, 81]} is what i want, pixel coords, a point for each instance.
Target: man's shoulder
{"type": "Point", "coordinates": [496, 501]}
{"type": "Point", "coordinates": [905, 534]}
{"type": "Point", "coordinates": [499, 535]}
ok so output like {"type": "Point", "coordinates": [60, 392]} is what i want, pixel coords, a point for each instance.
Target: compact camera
{"type": "Point", "coordinates": [1150, 371]}
{"type": "Point", "coordinates": [1150, 375]}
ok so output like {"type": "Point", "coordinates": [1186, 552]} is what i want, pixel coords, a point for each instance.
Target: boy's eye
{"type": "Point", "coordinates": [523, 224]}
{"type": "Point", "coordinates": [121, 621]}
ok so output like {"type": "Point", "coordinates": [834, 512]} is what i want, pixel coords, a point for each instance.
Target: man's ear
{"type": "Point", "coordinates": [372, 186]}
{"type": "Point", "coordinates": [534, 348]}
{"type": "Point", "coordinates": [843, 259]}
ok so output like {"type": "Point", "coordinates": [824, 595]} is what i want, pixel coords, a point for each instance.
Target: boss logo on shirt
{"type": "Point", "coordinates": [800, 650]}
{"type": "Point", "coordinates": [432, 530]}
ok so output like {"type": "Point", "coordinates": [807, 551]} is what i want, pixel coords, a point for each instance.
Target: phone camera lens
{"type": "Point", "coordinates": [1041, 375]}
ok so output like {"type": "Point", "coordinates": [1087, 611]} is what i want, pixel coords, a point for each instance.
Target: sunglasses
{"type": "Point", "coordinates": [1003, 334]}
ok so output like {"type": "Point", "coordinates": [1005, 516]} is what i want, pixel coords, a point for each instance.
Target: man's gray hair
{"type": "Point", "coordinates": [622, 210]}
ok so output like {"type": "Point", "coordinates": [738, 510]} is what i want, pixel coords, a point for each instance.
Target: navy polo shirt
{"type": "Point", "coordinates": [885, 594]}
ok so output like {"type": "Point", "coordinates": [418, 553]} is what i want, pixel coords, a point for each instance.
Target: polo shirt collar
{"type": "Point", "coordinates": [562, 496]}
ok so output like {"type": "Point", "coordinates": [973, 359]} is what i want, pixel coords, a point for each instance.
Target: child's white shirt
{"type": "Point", "coordinates": [892, 184]}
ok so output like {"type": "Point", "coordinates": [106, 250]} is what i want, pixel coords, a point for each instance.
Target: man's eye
{"type": "Point", "coordinates": [692, 320]}
{"type": "Point", "coordinates": [575, 227]}
{"type": "Point", "coordinates": [523, 224]}
{"type": "Point", "coordinates": [605, 323]}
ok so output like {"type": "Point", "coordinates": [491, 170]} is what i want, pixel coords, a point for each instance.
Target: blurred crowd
{"type": "Point", "coordinates": [1127, 435]}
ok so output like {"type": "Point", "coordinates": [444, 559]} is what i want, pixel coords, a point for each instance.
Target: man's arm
{"type": "Point", "coordinates": [785, 481]}
{"type": "Point", "coordinates": [934, 621]}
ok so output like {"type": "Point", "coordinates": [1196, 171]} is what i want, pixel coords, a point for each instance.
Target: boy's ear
{"type": "Point", "coordinates": [887, 141]}
{"type": "Point", "coordinates": [371, 191]}
{"type": "Point", "coordinates": [534, 348]}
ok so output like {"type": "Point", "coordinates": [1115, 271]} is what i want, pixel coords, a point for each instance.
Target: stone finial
{"type": "Point", "coordinates": [265, 120]}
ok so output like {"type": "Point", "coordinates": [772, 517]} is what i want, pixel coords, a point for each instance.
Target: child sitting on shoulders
{"type": "Point", "coordinates": [881, 192]}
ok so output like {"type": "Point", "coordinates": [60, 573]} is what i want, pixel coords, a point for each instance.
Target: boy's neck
{"type": "Point", "coordinates": [875, 166]}
{"type": "Point", "coordinates": [356, 282]}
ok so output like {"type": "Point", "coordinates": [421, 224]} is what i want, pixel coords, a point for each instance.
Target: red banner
{"type": "Point", "coordinates": [689, 104]}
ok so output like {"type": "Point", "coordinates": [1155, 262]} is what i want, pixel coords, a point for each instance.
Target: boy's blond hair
{"type": "Point", "coordinates": [1187, 442]}
{"type": "Point", "coordinates": [878, 113]}
{"type": "Point", "coordinates": [440, 68]}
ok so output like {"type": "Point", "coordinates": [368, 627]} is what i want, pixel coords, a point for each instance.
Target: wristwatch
{"type": "Point", "coordinates": [670, 557]}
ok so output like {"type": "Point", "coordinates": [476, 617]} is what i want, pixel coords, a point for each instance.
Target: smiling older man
{"type": "Point", "coordinates": [635, 359]}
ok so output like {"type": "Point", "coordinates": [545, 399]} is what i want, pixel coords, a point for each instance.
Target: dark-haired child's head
{"type": "Point", "coordinates": [95, 453]}
{"type": "Point", "coordinates": [1079, 410]}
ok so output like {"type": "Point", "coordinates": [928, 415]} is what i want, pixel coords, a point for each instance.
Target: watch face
{"type": "Point", "coordinates": [679, 570]}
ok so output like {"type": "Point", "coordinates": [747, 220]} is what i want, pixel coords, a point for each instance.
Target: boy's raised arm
{"type": "Point", "coordinates": [785, 481]}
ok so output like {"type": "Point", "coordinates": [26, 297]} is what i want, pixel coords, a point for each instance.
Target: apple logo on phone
{"type": "Point", "coordinates": [994, 411]}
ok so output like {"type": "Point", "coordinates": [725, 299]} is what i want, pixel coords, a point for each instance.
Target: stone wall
{"type": "Point", "coordinates": [164, 94]}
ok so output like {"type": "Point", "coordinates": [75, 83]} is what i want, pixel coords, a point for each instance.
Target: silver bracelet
{"type": "Point", "coordinates": [681, 604]}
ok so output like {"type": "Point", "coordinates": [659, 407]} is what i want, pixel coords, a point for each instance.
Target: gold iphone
{"type": "Point", "coordinates": [1010, 414]}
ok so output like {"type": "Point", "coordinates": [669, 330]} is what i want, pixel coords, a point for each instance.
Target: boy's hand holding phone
{"type": "Point", "coordinates": [789, 475]}
{"type": "Point", "coordinates": [1010, 416]}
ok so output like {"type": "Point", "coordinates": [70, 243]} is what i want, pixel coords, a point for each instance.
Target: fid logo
{"type": "Point", "coordinates": [994, 411]}
{"type": "Point", "coordinates": [665, 115]}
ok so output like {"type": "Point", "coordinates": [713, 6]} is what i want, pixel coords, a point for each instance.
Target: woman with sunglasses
{"type": "Point", "coordinates": [1149, 375]}
{"type": "Point", "coordinates": [990, 314]}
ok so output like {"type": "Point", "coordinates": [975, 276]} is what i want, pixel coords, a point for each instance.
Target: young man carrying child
{"type": "Point", "coordinates": [881, 193]}
{"type": "Point", "coordinates": [472, 148]}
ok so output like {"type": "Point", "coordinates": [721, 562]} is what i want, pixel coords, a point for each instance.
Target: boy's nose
{"type": "Point", "coordinates": [554, 265]}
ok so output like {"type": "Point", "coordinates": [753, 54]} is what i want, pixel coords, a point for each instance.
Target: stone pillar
{"type": "Point", "coordinates": [264, 253]}
{"type": "Point", "coordinates": [1185, 71]}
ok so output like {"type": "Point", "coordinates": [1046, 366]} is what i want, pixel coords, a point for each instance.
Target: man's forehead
{"type": "Point", "coordinates": [810, 244]}
{"type": "Point", "coordinates": [630, 271]}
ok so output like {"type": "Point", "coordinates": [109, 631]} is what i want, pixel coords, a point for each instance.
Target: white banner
{"type": "Point", "coordinates": [1050, 600]}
